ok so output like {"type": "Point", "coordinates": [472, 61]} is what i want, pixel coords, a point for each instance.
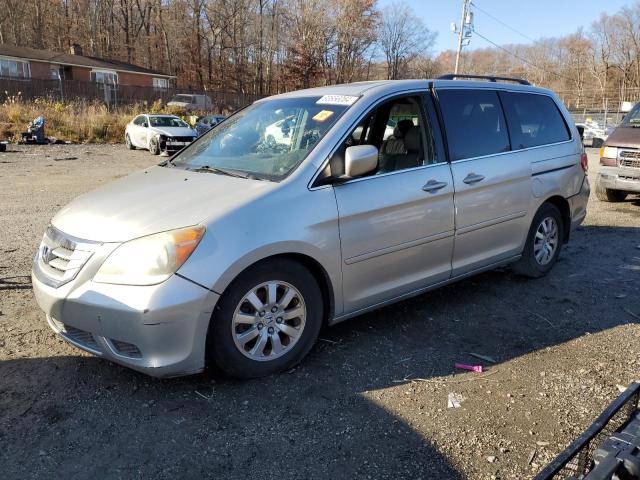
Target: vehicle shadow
{"type": "Point", "coordinates": [83, 417]}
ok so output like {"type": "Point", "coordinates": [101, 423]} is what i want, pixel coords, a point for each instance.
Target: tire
{"type": "Point", "coordinates": [130, 145]}
{"type": "Point", "coordinates": [608, 195]}
{"type": "Point", "coordinates": [529, 264]}
{"type": "Point", "coordinates": [254, 359]}
{"type": "Point", "coordinates": [154, 146]}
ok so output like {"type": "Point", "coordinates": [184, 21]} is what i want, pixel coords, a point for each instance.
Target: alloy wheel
{"type": "Point", "coordinates": [269, 320]}
{"type": "Point", "coordinates": [546, 240]}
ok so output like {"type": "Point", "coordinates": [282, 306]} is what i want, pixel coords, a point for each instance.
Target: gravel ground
{"type": "Point", "coordinates": [371, 399]}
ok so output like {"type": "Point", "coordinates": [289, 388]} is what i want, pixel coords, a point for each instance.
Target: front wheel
{"type": "Point", "coordinates": [544, 243]}
{"type": "Point", "coordinates": [154, 146]}
{"type": "Point", "coordinates": [266, 321]}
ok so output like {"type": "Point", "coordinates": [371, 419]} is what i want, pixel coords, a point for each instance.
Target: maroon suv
{"type": "Point", "coordinates": [620, 160]}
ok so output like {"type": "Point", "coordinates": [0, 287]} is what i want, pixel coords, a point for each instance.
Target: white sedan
{"type": "Point", "coordinates": [158, 133]}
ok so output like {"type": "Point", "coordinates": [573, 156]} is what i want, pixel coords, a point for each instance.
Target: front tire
{"type": "Point", "coordinates": [609, 195]}
{"type": "Point", "coordinates": [266, 321]}
{"type": "Point", "coordinates": [154, 146]}
{"type": "Point", "coordinates": [544, 242]}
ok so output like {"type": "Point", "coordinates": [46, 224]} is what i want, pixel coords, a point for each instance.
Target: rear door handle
{"type": "Point", "coordinates": [473, 178]}
{"type": "Point", "coordinates": [433, 186]}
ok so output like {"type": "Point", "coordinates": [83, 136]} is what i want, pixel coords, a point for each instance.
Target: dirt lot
{"type": "Point", "coordinates": [351, 410]}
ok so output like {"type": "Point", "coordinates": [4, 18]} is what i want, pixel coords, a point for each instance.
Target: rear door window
{"type": "Point", "coordinates": [474, 122]}
{"type": "Point", "coordinates": [534, 120]}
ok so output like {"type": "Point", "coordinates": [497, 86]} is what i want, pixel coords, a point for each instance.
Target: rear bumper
{"type": "Point", "coordinates": [159, 330]}
{"type": "Point", "coordinates": [578, 204]}
{"type": "Point", "coordinates": [619, 178]}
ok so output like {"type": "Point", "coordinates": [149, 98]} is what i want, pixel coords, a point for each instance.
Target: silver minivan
{"type": "Point", "coordinates": [238, 250]}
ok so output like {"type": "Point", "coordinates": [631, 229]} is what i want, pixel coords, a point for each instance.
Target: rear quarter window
{"type": "Point", "coordinates": [474, 122]}
{"type": "Point", "coordinates": [534, 120]}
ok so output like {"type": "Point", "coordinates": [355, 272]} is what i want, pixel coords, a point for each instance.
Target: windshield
{"type": "Point", "coordinates": [633, 117]}
{"type": "Point", "coordinates": [266, 140]}
{"type": "Point", "coordinates": [167, 122]}
{"type": "Point", "coordinates": [183, 99]}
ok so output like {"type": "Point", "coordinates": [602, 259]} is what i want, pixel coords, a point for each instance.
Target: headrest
{"type": "Point", "coordinates": [412, 140]}
{"type": "Point", "coordinates": [402, 128]}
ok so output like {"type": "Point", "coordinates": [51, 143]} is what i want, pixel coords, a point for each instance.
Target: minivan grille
{"type": "Point", "coordinates": [629, 158]}
{"type": "Point", "coordinates": [60, 258]}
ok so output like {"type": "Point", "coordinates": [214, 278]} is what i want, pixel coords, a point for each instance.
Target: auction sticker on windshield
{"type": "Point", "coordinates": [337, 100]}
{"type": "Point", "coordinates": [322, 115]}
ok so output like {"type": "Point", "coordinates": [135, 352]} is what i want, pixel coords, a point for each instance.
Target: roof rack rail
{"type": "Point", "coordinates": [491, 78]}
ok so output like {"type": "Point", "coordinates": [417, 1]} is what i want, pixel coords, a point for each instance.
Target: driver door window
{"type": "Point", "coordinates": [399, 130]}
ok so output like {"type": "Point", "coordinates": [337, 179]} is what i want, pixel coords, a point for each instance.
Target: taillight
{"type": "Point", "coordinates": [584, 162]}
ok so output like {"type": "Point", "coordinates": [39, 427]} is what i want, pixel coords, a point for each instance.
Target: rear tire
{"type": "Point", "coordinates": [130, 145]}
{"type": "Point", "coordinates": [235, 315]}
{"type": "Point", "coordinates": [609, 195]}
{"type": "Point", "coordinates": [544, 242]}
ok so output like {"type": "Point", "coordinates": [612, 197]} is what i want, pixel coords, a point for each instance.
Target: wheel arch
{"type": "Point", "coordinates": [315, 268]}
{"type": "Point", "coordinates": [562, 204]}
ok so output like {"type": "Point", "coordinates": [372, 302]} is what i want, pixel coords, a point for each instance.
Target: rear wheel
{"type": "Point", "coordinates": [609, 195]}
{"type": "Point", "coordinates": [266, 321]}
{"type": "Point", "coordinates": [127, 140]}
{"type": "Point", "coordinates": [544, 243]}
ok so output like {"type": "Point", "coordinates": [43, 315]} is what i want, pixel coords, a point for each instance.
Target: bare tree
{"type": "Point", "coordinates": [402, 36]}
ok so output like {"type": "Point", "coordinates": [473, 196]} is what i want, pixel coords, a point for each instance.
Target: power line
{"type": "Point", "coordinates": [522, 59]}
{"type": "Point", "coordinates": [504, 24]}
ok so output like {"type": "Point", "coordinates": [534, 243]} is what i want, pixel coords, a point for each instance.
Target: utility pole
{"type": "Point", "coordinates": [461, 32]}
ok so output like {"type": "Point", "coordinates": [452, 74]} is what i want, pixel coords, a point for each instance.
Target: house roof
{"type": "Point", "coordinates": [75, 60]}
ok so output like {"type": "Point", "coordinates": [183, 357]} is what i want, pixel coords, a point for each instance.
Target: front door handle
{"type": "Point", "coordinates": [433, 186]}
{"type": "Point", "coordinates": [473, 178]}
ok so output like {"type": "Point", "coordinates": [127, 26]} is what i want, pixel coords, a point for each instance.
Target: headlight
{"type": "Point", "coordinates": [609, 152]}
{"type": "Point", "coordinates": [149, 260]}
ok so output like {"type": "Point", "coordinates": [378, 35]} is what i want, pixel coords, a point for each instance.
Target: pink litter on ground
{"type": "Point", "coordinates": [472, 368]}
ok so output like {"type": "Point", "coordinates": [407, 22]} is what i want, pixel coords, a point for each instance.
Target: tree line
{"type": "Point", "coordinates": [251, 46]}
{"type": "Point", "coordinates": [270, 46]}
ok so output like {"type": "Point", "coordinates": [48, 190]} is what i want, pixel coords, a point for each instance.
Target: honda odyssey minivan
{"type": "Point", "coordinates": [238, 250]}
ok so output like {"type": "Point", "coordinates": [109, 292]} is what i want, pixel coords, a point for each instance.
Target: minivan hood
{"type": "Point", "coordinates": [174, 131]}
{"type": "Point", "coordinates": [622, 136]}
{"type": "Point", "coordinates": [154, 200]}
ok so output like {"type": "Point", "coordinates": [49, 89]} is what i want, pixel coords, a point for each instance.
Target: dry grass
{"type": "Point", "coordinates": [77, 122]}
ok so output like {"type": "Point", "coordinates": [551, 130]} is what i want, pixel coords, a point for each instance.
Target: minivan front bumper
{"type": "Point", "coordinates": [159, 330]}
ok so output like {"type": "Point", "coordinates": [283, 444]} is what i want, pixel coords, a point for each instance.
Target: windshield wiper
{"type": "Point", "coordinates": [221, 171]}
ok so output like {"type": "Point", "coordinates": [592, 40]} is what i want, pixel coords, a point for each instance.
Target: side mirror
{"type": "Point", "coordinates": [360, 159]}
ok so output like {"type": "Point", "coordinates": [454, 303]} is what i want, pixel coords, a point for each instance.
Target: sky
{"type": "Point", "coordinates": [534, 19]}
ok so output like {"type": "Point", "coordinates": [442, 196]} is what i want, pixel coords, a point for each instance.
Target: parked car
{"type": "Point", "coordinates": [191, 102]}
{"type": "Point", "coordinates": [619, 175]}
{"type": "Point", "coordinates": [593, 135]}
{"type": "Point", "coordinates": [237, 251]}
{"type": "Point", "coordinates": [158, 133]}
{"type": "Point", "coordinates": [281, 132]}
{"type": "Point", "coordinates": [206, 123]}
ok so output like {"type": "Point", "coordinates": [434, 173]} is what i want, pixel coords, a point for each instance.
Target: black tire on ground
{"type": "Point", "coordinates": [154, 146]}
{"type": "Point", "coordinates": [130, 145]}
{"type": "Point", "coordinates": [608, 195]}
{"type": "Point", "coordinates": [221, 348]}
{"type": "Point", "coordinates": [528, 266]}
